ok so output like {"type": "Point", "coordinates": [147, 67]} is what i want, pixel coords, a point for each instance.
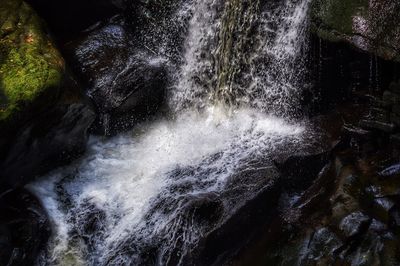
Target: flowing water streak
{"type": "Point", "coordinates": [235, 43]}
{"type": "Point", "coordinates": [281, 78]}
{"type": "Point", "coordinates": [247, 55]}
{"type": "Point", "coordinates": [136, 194]}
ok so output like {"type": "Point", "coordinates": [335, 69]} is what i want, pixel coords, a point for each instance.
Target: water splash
{"type": "Point", "coordinates": [135, 199]}
{"type": "Point", "coordinates": [128, 192]}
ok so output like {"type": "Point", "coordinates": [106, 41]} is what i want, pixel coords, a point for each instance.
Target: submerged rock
{"type": "Point", "coordinates": [368, 25]}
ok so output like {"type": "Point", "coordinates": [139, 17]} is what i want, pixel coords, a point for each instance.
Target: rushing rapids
{"type": "Point", "coordinates": [151, 196]}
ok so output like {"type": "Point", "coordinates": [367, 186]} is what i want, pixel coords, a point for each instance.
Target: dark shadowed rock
{"type": "Point", "coordinates": [67, 18]}
{"type": "Point", "coordinates": [24, 228]}
{"type": "Point", "coordinates": [52, 139]}
{"type": "Point", "coordinates": [368, 25]}
{"type": "Point", "coordinates": [125, 84]}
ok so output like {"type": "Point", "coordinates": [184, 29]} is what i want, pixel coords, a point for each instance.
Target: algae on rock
{"type": "Point", "coordinates": [31, 68]}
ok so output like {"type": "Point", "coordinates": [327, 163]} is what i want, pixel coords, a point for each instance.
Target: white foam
{"type": "Point", "coordinates": [122, 175]}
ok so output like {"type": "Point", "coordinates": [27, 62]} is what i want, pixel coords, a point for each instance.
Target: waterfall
{"type": "Point", "coordinates": [136, 199]}
{"type": "Point", "coordinates": [246, 56]}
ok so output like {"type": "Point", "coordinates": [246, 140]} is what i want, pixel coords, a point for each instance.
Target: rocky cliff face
{"type": "Point", "coordinates": [370, 25]}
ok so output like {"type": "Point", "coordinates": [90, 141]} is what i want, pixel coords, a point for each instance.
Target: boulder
{"type": "Point", "coordinates": [368, 25]}
{"type": "Point", "coordinates": [24, 228]}
{"type": "Point", "coordinates": [43, 119]}
{"type": "Point", "coordinates": [52, 139]}
{"type": "Point", "coordinates": [126, 84]}
{"type": "Point", "coordinates": [31, 68]}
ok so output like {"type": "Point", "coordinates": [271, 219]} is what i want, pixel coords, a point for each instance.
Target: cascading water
{"type": "Point", "coordinates": [139, 198]}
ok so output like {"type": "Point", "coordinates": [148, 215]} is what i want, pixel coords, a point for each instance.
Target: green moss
{"type": "Point", "coordinates": [371, 26]}
{"type": "Point", "coordinates": [339, 14]}
{"type": "Point", "coordinates": [30, 65]}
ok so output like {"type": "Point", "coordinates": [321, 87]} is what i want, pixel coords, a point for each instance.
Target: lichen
{"type": "Point", "coordinates": [30, 65]}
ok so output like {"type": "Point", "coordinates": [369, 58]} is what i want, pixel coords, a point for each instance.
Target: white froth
{"type": "Point", "coordinates": [122, 175]}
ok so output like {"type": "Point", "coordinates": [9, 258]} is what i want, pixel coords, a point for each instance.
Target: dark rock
{"type": "Point", "coordinates": [321, 246]}
{"type": "Point", "coordinates": [353, 223]}
{"type": "Point", "coordinates": [389, 98]}
{"type": "Point", "coordinates": [378, 125]}
{"type": "Point", "coordinates": [395, 139]}
{"type": "Point", "coordinates": [68, 18]}
{"type": "Point", "coordinates": [24, 228]}
{"type": "Point", "coordinates": [32, 70]}
{"type": "Point", "coordinates": [394, 220]}
{"type": "Point", "coordinates": [390, 171]}
{"type": "Point", "coordinates": [125, 84]}
{"type": "Point", "coordinates": [395, 87]}
{"type": "Point", "coordinates": [396, 109]}
{"type": "Point", "coordinates": [370, 26]}
{"type": "Point", "coordinates": [357, 132]}
{"type": "Point", "coordinates": [50, 140]}
{"type": "Point", "coordinates": [379, 114]}
{"type": "Point", "coordinates": [395, 119]}
{"type": "Point", "coordinates": [381, 208]}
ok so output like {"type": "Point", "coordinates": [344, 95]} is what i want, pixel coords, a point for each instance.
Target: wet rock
{"type": "Point", "coordinates": [370, 26]}
{"type": "Point", "coordinates": [143, 12]}
{"type": "Point", "coordinates": [357, 132]}
{"type": "Point", "coordinates": [353, 224]}
{"type": "Point", "coordinates": [125, 84]}
{"type": "Point", "coordinates": [321, 246]}
{"type": "Point", "coordinates": [389, 98]}
{"type": "Point", "coordinates": [395, 87]}
{"type": "Point", "coordinates": [52, 139]}
{"type": "Point", "coordinates": [378, 125]}
{"type": "Point", "coordinates": [395, 139]}
{"type": "Point", "coordinates": [24, 228]}
{"type": "Point", "coordinates": [390, 171]}
{"type": "Point", "coordinates": [394, 220]}
{"type": "Point", "coordinates": [381, 208]}
{"type": "Point", "coordinates": [395, 119]}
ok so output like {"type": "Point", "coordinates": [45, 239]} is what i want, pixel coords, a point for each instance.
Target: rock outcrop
{"type": "Point", "coordinates": [24, 228]}
{"type": "Point", "coordinates": [368, 25]}
{"type": "Point", "coordinates": [126, 83]}
{"type": "Point", "coordinates": [31, 68]}
{"type": "Point", "coordinates": [42, 116]}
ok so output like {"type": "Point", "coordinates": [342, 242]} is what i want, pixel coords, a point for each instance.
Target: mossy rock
{"type": "Point", "coordinates": [368, 25]}
{"type": "Point", "coordinates": [31, 68]}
